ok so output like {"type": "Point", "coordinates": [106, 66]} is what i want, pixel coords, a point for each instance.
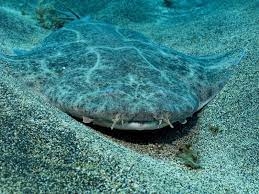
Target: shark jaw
{"type": "Point", "coordinates": [134, 125]}
{"type": "Point", "coordinates": [138, 126]}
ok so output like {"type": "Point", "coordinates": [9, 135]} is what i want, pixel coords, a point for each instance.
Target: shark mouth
{"type": "Point", "coordinates": [116, 123]}
{"type": "Point", "coordinates": [148, 125]}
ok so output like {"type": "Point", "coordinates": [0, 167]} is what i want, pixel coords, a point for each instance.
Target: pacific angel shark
{"type": "Point", "coordinates": [119, 78]}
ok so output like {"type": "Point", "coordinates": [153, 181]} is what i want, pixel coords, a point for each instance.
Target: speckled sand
{"type": "Point", "coordinates": [44, 150]}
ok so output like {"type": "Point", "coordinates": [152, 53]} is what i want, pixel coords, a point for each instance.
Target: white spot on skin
{"type": "Point", "coordinates": [87, 120]}
{"type": "Point", "coordinates": [184, 122]}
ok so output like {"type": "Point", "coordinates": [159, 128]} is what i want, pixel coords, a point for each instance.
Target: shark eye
{"type": "Point", "coordinates": [54, 14]}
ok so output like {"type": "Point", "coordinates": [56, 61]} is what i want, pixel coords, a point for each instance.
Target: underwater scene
{"type": "Point", "coordinates": [129, 96]}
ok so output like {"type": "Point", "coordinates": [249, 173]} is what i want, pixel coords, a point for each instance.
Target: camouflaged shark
{"type": "Point", "coordinates": [119, 78]}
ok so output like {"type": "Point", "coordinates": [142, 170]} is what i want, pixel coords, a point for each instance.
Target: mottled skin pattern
{"type": "Point", "coordinates": [119, 78]}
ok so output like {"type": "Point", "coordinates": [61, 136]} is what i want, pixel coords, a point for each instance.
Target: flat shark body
{"type": "Point", "coordinates": [119, 78]}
